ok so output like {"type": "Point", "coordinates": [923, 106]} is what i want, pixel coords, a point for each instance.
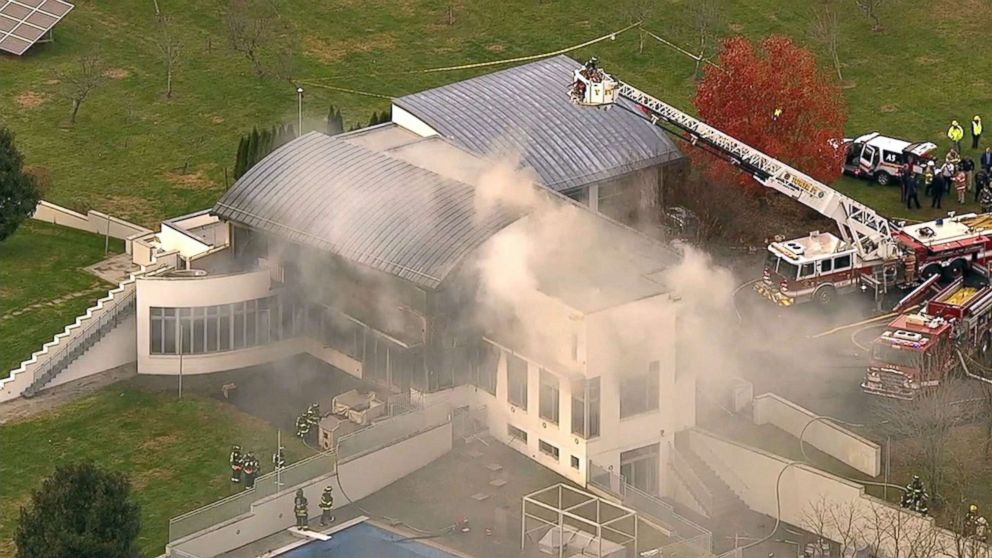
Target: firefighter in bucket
{"type": "Point", "coordinates": [593, 86]}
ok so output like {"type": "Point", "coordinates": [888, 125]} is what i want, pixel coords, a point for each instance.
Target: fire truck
{"type": "Point", "coordinates": [871, 253]}
{"type": "Point", "coordinates": [919, 350]}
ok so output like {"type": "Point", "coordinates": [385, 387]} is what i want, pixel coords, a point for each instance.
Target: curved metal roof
{"type": "Point", "coordinates": [525, 110]}
{"type": "Point", "coordinates": [364, 206]}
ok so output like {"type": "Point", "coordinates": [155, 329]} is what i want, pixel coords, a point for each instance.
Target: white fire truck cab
{"type": "Point", "coordinates": [813, 268]}
{"type": "Point", "coordinates": [881, 158]}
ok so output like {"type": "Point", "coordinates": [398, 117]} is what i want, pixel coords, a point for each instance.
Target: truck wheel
{"type": "Point", "coordinates": [956, 269]}
{"type": "Point", "coordinates": [931, 270]}
{"type": "Point", "coordinates": [882, 178]}
{"type": "Point", "coordinates": [824, 296]}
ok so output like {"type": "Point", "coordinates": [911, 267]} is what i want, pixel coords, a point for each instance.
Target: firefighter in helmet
{"type": "Point", "coordinates": [302, 427]}
{"type": "Point", "coordinates": [279, 458]}
{"type": "Point", "coordinates": [236, 462]}
{"type": "Point", "coordinates": [313, 414]}
{"type": "Point", "coordinates": [326, 505]}
{"type": "Point", "coordinates": [300, 509]}
{"type": "Point", "coordinates": [982, 529]}
{"type": "Point", "coordinates": [251, 466]}
{"type": "Point", "coordinates": [970, 521]}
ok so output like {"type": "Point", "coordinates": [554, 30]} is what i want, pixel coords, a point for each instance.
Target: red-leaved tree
{"type": "Point", "coordinates": [743, 95]}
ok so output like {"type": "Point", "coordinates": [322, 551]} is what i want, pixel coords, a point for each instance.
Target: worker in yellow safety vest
{"type": "Point", "coordinates": [956, 133]}
{"type": "Point", "coordinates": [976, 131]}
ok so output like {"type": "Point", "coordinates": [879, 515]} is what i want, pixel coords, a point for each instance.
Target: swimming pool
{"type": "Point", "coordinates": [365, 540]}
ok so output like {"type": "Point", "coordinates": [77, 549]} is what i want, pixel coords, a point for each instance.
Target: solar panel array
{"type": "Point", "coordinates": [23, 22]}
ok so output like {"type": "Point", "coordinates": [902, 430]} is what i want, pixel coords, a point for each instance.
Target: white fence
{"type": "Point", "coordinates": [94, 221]}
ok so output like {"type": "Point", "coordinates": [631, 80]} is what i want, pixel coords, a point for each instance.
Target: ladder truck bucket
{"type": "Point", "coordinates": [593, 87]}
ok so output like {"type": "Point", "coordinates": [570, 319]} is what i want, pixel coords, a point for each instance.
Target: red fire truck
{"type": "Point", "coordinates": [919, 350]}
{"type": "Point", "coordinates": [870, 253]}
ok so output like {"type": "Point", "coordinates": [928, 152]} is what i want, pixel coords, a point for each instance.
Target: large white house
{"type": "Point", "coordinates": [382, 253]}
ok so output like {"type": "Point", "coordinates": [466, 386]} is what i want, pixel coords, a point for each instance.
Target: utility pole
{"type": "Point", "coordinates": [106, 238]}
{"type": "Point", "coordinates": [182, 334]}
{"type": "Point", "coordinates": [299, 94]}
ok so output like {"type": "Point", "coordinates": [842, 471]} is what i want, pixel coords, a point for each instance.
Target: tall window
{"type": "Point", "coordinates": [639, 392]}
{"type": "Point", "coordinates": [155, 332]}
{"type": "Point", "coordinates": [486, 367]}
{"type": "Point", "coordinates": [585, 408]}
{"type": "Point", "coordinates": [516, 381]}
{"type": "Point", "coordinates": [549, 396]}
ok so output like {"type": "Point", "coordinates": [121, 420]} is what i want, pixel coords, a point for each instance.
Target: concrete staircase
{"type": "Point", "coordinates": [35, 373]}
{"type": "Point", "coordinates": [714, 496]}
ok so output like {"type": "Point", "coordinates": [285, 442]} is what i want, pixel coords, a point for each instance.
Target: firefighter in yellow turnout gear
{"type": "Point", "coordinates": [300, 509]}
{"type": "Point", "coordinates": [326, 505]}
{"type": "Point", "coordinates": [976, 131]}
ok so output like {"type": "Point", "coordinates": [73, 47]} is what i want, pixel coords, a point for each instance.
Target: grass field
{"type": "Point", "coordinates": [41, 278]}
{"type": "Point", "coordinates": [175, 453]}
{"type": "Point", "coordinates": [127, 152]}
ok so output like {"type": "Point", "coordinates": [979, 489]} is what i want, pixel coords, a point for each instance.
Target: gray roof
{"type": "Point", "coordinates": [525, 110]}
{"type": "Point", "coordinates": [363, 205]}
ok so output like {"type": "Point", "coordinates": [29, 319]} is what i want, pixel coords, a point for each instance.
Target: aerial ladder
{"type": "Point", "coordinates": [859, 225]}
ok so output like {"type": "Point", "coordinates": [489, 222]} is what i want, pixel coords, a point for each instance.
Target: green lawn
{"type": "Point", "coordinates": [41, 263]}
{"type": "Point", "coordinates": [175, 453]}
{"type": "Point", "coordinates": [126, 153]}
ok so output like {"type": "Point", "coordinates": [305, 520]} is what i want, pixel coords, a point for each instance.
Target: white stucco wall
{"type": "Point", "coordinates": [360, 477]}
{"type": "Point", "coordinates": [826, 436]}
{"type": "Point", "coordinates": [171, 238]}
{"type": "Point", "coordinates": [628, 338]}
{"type": "Point", "coordinates": [500, 413]}
{"type": "Point", "coordinates": [114, 349]}
{"type": "Point", "coordinates": [204, 291]}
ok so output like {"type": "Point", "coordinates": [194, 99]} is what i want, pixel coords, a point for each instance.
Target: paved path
{"type": "Point", "coordinates": [113, 269]}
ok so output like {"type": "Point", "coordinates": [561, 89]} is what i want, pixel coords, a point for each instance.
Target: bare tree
{"type": "Point", "coordinates": [927, 420]}
{"type": "Point", "coordinates": [707, 17]}
{"type": "Point", "coordinates": [889, 531]}
{"type": "Point", "coordinates": [870, 9]}
{"type": "Point", "coordinates": [637, 10]}
{"type": "Point", "coordinates": [826, 30]}
{"type": "Point", "coordinates": [249, 30]}
{"type": "Point", "coordinates": [836, 522]}
{"type": "Point", "coordinates": [170, 48]}
{"type": "Point", "coordinates": [77, 82]}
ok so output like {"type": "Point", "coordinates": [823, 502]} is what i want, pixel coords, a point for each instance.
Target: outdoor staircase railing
{"type": "Point", "coordinates": [78, 337]}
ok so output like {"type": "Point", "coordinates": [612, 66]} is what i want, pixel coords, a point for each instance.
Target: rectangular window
{"type": "Point", "coordinates": [806, 270]}
{"type": "Point", "coordinates": [169, 331]}
{"type": "Point", "coordinates": [251, 324]}
{"type": "Point", "coordinates": [639, 393]}
{"type": "Point", "coordinates": [516, 381]}
{"type": "Point", "coordinates": [224, 327]}
{"type": "Point", "coordinates": [515, 433]}
{"type": "Point", "coordinates": [548, 407]}
{"type": "Point", "coordinates": [575, 463]}
{"type": "Point", "coordinates": [639, 467]}
{"type": "Point", "coordinates": [842, 262]}
{"type": "Point", "coordinates": [585, 408]}
{"type": "Point", "coordinates": [185, 330]}
{"type": "Point", "coordinates": [212, 312]}
{"type": "Point", "coordinates": [155, 332]}
{"type": "Point", "coordinates": [486, 368]}
{"type": "Point", "coordinates": [199, 330]}
{"type": "Point", "coordinates": [826, 266]}
{"type": "Point", "coordinates": [264, 323]}
{"type": "Point", "coordinates": [548, 449]}
{"type": "Point", "coordinates": [239, 325]}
